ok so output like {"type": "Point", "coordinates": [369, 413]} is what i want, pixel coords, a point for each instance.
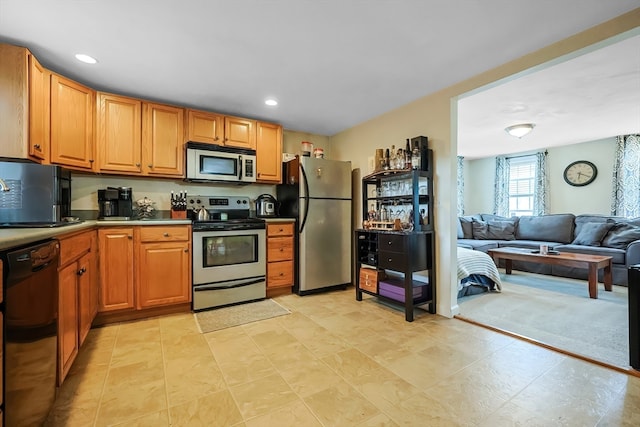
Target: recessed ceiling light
{"type": "Point", "coordinates": [86, 58]}
{"type": "Point", "coordinates": [271, 102]}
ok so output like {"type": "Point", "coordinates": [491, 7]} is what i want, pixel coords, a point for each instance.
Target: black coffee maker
{"type": "Point", "coordinates": [115, 203]}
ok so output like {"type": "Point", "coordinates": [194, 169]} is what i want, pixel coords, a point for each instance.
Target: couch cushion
{"type": "Point", "coordinates": [492, 217]}
{"type": "Point", "coordinates": [632, 221]}
{"type": "Point", "coordinates": [478, 245]}
{"type": "Point", "coordinates": [467, 229]}
{"type": "Point", "coordinates": [460, 231]}
{"type": "Point", "coordinates": [556, 228]}
{"type": "Point", "coordinates": [494, 230]}
{"type": "Point", "coordinates": [617, 255]}
{"type": "Point", "coordinates": [620, 235]}
{"type": "Point", "coordinates": [588, 218]}
{"type": "Point", "coordinates": [527, 244]}
{"type": "Point", "coordinates": [591, 233]}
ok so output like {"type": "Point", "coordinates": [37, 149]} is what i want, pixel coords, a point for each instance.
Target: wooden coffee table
{"type": "Point", "coordinates": [567, 259]}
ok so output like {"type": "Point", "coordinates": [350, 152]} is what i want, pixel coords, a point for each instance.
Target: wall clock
{"type": "Point", "coordinates": [580, 173]}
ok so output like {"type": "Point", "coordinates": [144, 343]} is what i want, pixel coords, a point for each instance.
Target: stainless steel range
{"type": "Point", "coordinates": [229, 252]}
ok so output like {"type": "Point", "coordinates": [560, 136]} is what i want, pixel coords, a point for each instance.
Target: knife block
{"type": "Point", "coordinates": [178, 214]}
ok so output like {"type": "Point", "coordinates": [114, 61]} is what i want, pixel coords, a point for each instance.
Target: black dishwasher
{"type": "Point", "coordinates": [30, 332]}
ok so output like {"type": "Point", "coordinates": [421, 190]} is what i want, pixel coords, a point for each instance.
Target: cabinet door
{"type": "Point", "coordinates": [67, 318]}
{"type": "Point", "coordinates": [269, 152]}
{"type": "Point", "coordinates": [119, 141]}
{"type": "Point", "coordinates": [71, 123]}
{"type": "Point", "coordinates": [39, 106]}
{"type": "Point", "coordinates": [205, 127]}
{"type": "Point", "coordinates": [116, 268]}
{"type": "Point", "coordinates": [163, 274]}
{"type": "Point", "coordinates": [239, 132]}
{"type": "Point", "coordinates": [86, 292]}
{"type": "Point", "coordinates": [162, 140]}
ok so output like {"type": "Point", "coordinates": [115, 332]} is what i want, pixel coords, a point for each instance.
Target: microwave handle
{"type": "Point", "coordinates": [240, 168]}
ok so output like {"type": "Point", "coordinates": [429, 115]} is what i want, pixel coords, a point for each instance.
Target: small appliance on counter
{"type": "Point", "coordinates": [115, 203]}
{"type": "Point", "coordinates": [266, 206]}
{"type": "Point", "coordinates": [34, 195]}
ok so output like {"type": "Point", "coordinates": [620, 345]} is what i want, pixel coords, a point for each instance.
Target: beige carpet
{"type": "Point", "coordinates": [558, 312]}
{"type": "Point", "coordinates": [226, 317]}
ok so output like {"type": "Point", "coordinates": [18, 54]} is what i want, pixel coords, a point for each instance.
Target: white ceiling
{"type": "Point", "coordinates": [332, 64]}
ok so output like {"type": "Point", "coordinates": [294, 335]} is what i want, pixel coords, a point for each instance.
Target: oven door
{"type": "Point", "coordinates": [222, 256]}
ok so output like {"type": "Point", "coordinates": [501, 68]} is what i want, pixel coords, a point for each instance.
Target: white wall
{"type": "Point", "coordinates": [594, 198]}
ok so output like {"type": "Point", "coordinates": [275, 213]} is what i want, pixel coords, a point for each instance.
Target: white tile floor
{"type": "Point", "coordinates": [334, 362]}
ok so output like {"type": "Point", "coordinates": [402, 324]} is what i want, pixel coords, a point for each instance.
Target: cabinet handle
{"type": "Point", "coordinates": [91, 160]}
{"type": "Point", "coordinates": [282, 274]}
{"type": "Point", "coordinates": [216, 138]}
{"type": "Point", "coordinates": [36, 146]}
{"type": "Point", "coordinates": [281, 249]}
{"type": "Point", "coordinates": [389, 243]}
{"type": "Point", "coordinates": [129, 237]}
{"type": "Point", "coordinates": [150, 166]}
{"type": "Point", "coordinates": [82, 271]}
{"type": "Point", "coordinates": [281, 230]}
{"type": "Point", "coordinates": [186, 250]}
{"type": "Point", "coordinates": [137, 165]}
{"type": "Point", "coordinates": [389, 260]}
{"type": "Point", "coordinates": [166, 234]}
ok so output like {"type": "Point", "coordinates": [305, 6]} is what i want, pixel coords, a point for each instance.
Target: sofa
{"type": "Point", "coordinates": [612, 236]}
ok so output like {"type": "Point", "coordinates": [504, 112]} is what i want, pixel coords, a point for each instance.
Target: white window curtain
{"type": "Point", "coordinates": [626, 177]}
{"type": "Point", "coordinates": [460, 185]}
{"type": "Point", "coordinates": [501, 187]}
{"type": "Point", "coordinates": [540, 191]}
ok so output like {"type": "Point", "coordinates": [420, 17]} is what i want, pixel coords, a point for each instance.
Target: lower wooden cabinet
{"type": "Point", "coordinates": [144, 266]}
{"type": "Point", "coordinates": [77, 295]}
{"type": "Point", "coordinates": [163, 266]}
{"type": "Point", "coordinates": [280, 258]}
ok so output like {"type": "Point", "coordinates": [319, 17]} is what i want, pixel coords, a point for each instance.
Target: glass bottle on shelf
{"type": "Point", "coordinates": [400, 159]}
{"type": "Point", "coordinates": [415, 156]}
{"type": "Point", "coordinates": [408, 155]}
{"type": "Point", "coordinates": [392, 158]}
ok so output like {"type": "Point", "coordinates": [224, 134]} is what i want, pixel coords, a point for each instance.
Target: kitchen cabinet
{"type": "Point", "coordinates": [115, 246]}
{"type": "Point", "coordinates": [239, 132]}
{"type": "Point", "coordinates": [398, 239]}
{"type": "Point", "coordinates": [280, 256]}
{"type": "Point", "coordinates": [119, 133]}
{"type": "Point", "coordinates": [205, 127]}
{"type": "Point", "coordinates": [162, 140]}
{"type": "Point", "coordinates": [72, 112]}
{"type": "Point", "coordinates": [24, 105]}
{"type": "Point", "coordinates": [269, 152]}
{"type": "Point", "coordinates": [77, 290]}
{"type": "Point", "coordinates": [216, 129]}
{"type": "Point", "coordinates": [163, 271]}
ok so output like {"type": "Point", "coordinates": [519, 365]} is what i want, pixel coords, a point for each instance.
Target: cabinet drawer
{"type": "Point", "coordinates": [280, 229]}
{"type": "Point", "coordinates": [280, 274]}
{"type": "Point", "coordinates": [279, 249]}
{"type": "Point", "coordinates": [392, 260]}
{"type": "Point", "coordinates": [391, 242]}
{"type": "Point", "coordinates": [369, 279]}
{"type": "Point", "coordinates": [163, 234]}
{"type": "Point", "coordinates": [73, 247]}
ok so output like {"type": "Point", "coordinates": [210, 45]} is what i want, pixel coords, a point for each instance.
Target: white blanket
{"type": "Point", "coordinates": [477, 262]}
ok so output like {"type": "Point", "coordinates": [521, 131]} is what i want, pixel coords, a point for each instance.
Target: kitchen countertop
{"type": "Point", "coordinates": [11, 237]}
{"type": "Point", "coordinates": [279, 220]}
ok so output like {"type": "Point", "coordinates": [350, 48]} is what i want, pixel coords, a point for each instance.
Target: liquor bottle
{"type": "Point", "coordinates": [408, 156]}
{"type": "Point", "coordinates": [392, 159]}
{"type": "Point", "coordinates": [386, 160]}
{"type": "Point", "coordinates": [415, 156]}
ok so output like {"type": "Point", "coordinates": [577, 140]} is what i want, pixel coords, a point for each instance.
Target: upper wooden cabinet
{"type": "Point", "coordinates": [39, 110]}
{"type": "Point", "coordinates": [162, 140]}
{"type": "Point", "coordinates": [216, 129]}
{"type": "Point", "coordinates": [119, 139]}
{"type": "Point", "coordinates": [71, 123]}
{"type": "Point", "coordinates": [205, 127]}
{"type": "Point", "coordinates": [24, 105]}
{"type": "Point", "coordinates": [239, 132]}
{"type": "Point", "coordinates": [269, 153]}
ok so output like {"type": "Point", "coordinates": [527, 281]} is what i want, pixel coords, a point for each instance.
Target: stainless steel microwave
{"type": "Point", "coordinates": [207, 162]}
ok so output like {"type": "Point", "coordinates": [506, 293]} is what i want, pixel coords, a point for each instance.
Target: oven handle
{"type": "Point", "coordinates": [212, 287]}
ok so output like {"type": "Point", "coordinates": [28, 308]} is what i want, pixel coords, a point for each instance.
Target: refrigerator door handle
{"type": "Point", "coordinates": [306, 198]}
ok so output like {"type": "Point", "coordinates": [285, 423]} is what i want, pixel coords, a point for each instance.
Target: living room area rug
{"type": "Point", "coordinates": [558, 312]}
{"type": "Point", "coordinates": [236, 315]}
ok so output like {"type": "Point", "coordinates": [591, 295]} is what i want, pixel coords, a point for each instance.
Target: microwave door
{"type": "Point", "coordinates": [240, 163]}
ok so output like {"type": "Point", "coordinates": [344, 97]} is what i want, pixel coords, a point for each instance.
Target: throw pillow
{"type": "Point", "coordinates": [621, 235]}
{"type": "Point", "coordinates": [502, 230]}
{"type": "Point", "coordinates": [493, 230]}
{"type": "Point", "coordinates": [460, 231]}
{"type": "Point", "coordinates": [467, 228]}
{"type": "Point", "coordinates": [592, 233]}
{"type": "Point", "coordinates": [480, 230]}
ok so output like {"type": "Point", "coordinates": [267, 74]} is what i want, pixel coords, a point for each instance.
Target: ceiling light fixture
{"type": "Point", "coordinates": [519, 130]}
{"type": "Point", "coordinates": [86, 58]}
{"type": "Point", "coordinates": [271, 102]}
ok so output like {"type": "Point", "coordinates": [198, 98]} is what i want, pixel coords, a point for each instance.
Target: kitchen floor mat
{"type": "Point", "coordinates": [227, 317]}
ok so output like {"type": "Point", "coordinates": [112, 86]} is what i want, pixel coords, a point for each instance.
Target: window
{"type": "Point", "coordinates": [522, 179]}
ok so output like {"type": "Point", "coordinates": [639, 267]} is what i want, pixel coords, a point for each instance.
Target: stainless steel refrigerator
{"type": "Point", "coordinates": [318, 194]}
